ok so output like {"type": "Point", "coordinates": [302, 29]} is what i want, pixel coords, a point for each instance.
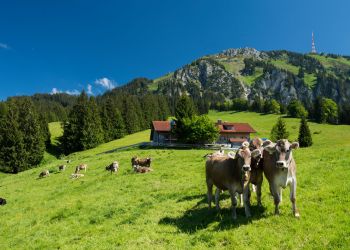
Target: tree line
{"type": "Point", "coordinates": [24, 135]}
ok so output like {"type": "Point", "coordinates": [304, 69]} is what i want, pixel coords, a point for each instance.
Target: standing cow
{"type": "Point", "coordinates": [280, 171]}
{"type": "Point", "coordinates": [81, 167]}
{"type": "Point", "coordinates": [113, 167]}
{"type": "Point", "coordinates": [142, 162]}
{"type": "Point", "coordinates": [230, 173]}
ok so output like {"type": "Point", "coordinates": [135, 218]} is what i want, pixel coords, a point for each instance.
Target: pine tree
{"type": "Point", "coordinates": [44, 126]}
{"type": "Point", "coordinates": [279, 130]}
{"type": "Point", "coordinates": [92, 133]}
{"type": "Point", "coordinates": [13, 157]}
{"type": "Point", "coordinates": [185, 108]}
{"type": "Point", "coordinates": [163, 111]}
{"type": "Point", "coordinates": [83, 130]}
{"type": "Point", "coordinates": [305, 139]}
{"type": "Point", "coordinates": [29, 125]}
{"type": "Point", "coordinates": [113, 123]}
{"type": "Point", "coordinates": [131, 116]}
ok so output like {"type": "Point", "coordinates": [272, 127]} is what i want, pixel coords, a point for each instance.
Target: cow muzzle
{"type": "Point", "coordinates": [246, 168]}
{"type": "Point", "coordinates": [281, 164]}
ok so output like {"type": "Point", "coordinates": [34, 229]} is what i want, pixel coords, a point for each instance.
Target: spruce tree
{"type": "Point", "coordinates": [305, 139]}
{"type": "Point", "coordinates": [83, 130]}
{"type": "Point", "coordinates": [112, 121]}
{"type": "Point", "coordinates": [92, 133]}
{"type": "Point", "coordinates": [29, 125]}
{"type": "Point", "coordinates": [13, 157]}
{"type": "Point", "coordinates": [279, 130]}
{"type": "Point", "coordinates": [131, 116]}
{"type": "Point", "coordinates": [185, 108]}
{"type": "Point", "coordinates": [44, 126]}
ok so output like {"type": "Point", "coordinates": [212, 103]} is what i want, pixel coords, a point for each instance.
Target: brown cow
{"type": "Point", "coordinates": [142, 170]}
{"type": "Point", "coordinates": [81, 167]}
{"type": "Point", "coordinates": [230, 173]}
{"type": "Point", "coordinates": [280, 171]}
{"type": "Point", "coordinates": [142, 162]}
{"type": "Point", "coordinates": [113, 167]}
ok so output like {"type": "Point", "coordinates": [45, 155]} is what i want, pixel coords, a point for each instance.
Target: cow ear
{"type": "Point", "coordinates": [295, 145]}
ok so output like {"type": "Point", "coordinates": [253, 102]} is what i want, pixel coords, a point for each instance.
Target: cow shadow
{"type": "Point", "coordinates": [200, 216]}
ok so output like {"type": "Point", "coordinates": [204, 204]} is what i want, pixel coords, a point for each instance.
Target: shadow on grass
{"type": "Point", "coordinates": [200, 216]}
{"type": "Point", "coordinates": [54, 150]}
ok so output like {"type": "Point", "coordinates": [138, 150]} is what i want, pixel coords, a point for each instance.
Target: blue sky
{"type": "Point", "coordinates": [69, 45]}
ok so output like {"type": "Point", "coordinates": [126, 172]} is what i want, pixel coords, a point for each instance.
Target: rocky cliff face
{"type": "Point", "coordinates": [219, 77]}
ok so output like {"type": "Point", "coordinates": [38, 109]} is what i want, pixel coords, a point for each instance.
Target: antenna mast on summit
{"type": "Point", "coordinates": [313, 47]}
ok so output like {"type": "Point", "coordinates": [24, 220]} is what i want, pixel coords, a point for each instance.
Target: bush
{"type": "Point", "coordinates": [296, 109]}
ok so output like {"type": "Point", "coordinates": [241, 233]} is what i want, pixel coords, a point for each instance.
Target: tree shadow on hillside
{"type": "Point", "coordinates": [200, 216]}
{"type": "Point", "coordinates": [54, 150]}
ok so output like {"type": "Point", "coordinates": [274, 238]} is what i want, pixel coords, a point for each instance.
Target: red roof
{"type": "Point", "coordinates": [235, 127]}
{"type": "Point", "coordinates": [161, 126]}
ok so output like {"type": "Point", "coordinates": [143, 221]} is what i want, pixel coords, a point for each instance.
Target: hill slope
{"type": "Point", "coordinates": [167, 208]}
{"type": "Point", "coordinates": [248, 73]}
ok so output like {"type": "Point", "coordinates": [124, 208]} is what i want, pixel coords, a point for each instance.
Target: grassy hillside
{"type": "Point", "coordinates": [167, 208]}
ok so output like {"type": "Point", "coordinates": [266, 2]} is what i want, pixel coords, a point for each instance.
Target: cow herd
{"type": "Point", "coordinates": [235, 173]}
{"type": "Point", "coordinates": [139, 165]}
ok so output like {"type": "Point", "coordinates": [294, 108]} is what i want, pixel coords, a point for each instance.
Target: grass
{"type": "Point", "coordinates": [282, 64]}
{"type": "Point", "coordinates": [166, 209]}
{"type": "Point", "coordinates": [154, 85]}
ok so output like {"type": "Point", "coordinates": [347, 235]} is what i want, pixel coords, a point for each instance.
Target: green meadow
{"type": "Point", "coordinates": [166, 208]}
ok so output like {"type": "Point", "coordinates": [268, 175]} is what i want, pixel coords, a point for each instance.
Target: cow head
{"type": "Point", "coordinates": [256, 149]}
{"type": "Point", "coordinates": [283, 152]}
{"type": "Point", "coordinates": [243, 156]}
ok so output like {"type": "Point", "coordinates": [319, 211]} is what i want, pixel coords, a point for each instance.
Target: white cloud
{"type": "Point", "coordinates": [4, 46]}
{"type": "Point", "coordinates": [89, 89]}
{"type": "Point", "coordinates": [69, 92]}
{"type": "Point", "coordinates": [55, 91]}
{"type": "Point", "coordinates": [73, 92]}
{"type": "Point", "coordinates": [105, 82]}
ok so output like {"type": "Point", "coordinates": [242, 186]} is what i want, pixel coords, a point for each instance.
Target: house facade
{"type": "Point", "coordinates": [233, 133]}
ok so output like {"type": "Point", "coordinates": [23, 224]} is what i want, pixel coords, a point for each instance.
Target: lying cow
{"type": "Point", "coordinates": [81, 167]}
{"type": "Point", "coordinates": [62, 167]}
{"type": "Point", "coordinates": [113, 167]}
{"type": "Point", "coordinates": [142, 162]}
{"type": "Point", "coordinates": [280, 171]}
{"type": "Point", "coordinates": [2, 202]}
{"type": "Point", "coordinates": [230, 173]}
{"type": "Point", "coordinates": [76, 176]}
{"type": "Point", "coordinates": [44, 173]}
{"type": "Point", "coordinates": [142, 170]}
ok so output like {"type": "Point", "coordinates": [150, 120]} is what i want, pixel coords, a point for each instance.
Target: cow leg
{"type": "Point", "coordinates": [217, 195]}
{"type": "Point", "coordinates": [210, 192]}
{"type": "Point", "coordinates": [293, 189]}
{"type": "Point", "coordinates": [233, 202]}
{"type": "Point", "coordinates": [276, 191]}
{"type": "Point", "coordinates": [258, 189]}
{"type": "Point", "coordinates": [241, 204]}
{"type": "Point", "coordinates": [246, 199]}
